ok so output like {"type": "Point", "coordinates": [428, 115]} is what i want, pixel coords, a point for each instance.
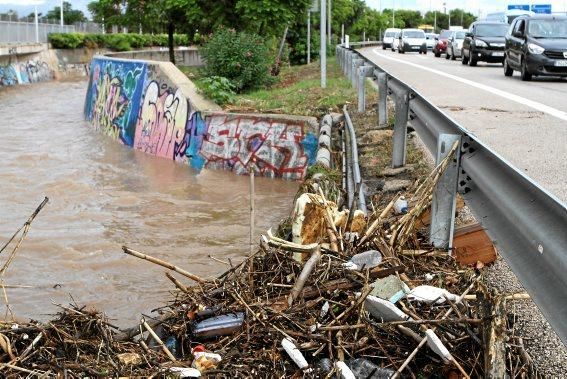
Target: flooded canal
{"type": "Point", "coordinates": [102, 196]}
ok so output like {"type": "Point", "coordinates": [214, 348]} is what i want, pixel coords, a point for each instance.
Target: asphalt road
{"type": "Point", "coordinates": [525, 122]}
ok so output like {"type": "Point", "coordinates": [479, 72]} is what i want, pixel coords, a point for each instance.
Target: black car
{"type": "Point", "coordinates": [484, 42]}
{"type": "Point", "coordinates": [537, 45]}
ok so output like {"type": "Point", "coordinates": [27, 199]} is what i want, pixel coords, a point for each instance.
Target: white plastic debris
{"type": "Point", "coordinates": [384, 310]}
{"type": "Point", "coordinates": [437, 346]}
{"type": "Point", "coordinates": [430, 294]}
{"type": "Point", "coordinates": [367, 259]}
{"type": "Point", "coordinates": [324, 309]}
{"type": "Point", "coordinates": [401, 205]}
{"type": "Point", "coordinates": [429, 277]}
{"type": "Point", "coordinates": [344, 370]}
{"type": "Point", "coordinates": [294, 353]}
{"type": "Point", "coordinates": [185, 372]}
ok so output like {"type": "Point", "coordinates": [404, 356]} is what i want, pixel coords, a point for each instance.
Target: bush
{"type": "Point", "coordinates": [66, 40]}
{"type": "Point", "coordinates": [119, 42]}
{"type": "Point", "coordinates": [218, 89]}
{"type": "Point", "coordinates": [242, 58]}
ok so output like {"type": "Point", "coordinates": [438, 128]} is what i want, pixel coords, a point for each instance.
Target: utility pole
{"type": "Point", "coordinates": [393, 13]}
{"type": "Point", "coordinates": [61, 14]}
{"type": "Point", "coordinates": [308, 36]}
{"type": "Point", "coordinates": [36, 26]}
{"type": "Point", "coordinates": [329, 21]}
{"type": "Point", "coordinates": [323, 52]}
{"type": "Point", "coordinates": [342, 33]}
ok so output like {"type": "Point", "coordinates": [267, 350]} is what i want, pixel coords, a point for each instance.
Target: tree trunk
{"type": "Point", "coordinates": [170, 30]}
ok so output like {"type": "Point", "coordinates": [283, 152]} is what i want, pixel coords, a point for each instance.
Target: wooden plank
{"type": "Point", "coordinates": [471, 244]}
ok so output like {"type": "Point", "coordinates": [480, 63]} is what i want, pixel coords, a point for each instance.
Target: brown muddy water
{"type": "Point", "coordinates": [104, 195]}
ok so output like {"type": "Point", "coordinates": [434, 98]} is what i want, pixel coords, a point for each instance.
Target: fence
{"type": "Point", "coordinates": [23, 30]}
{"type": "Point", "coordinates": [526, 223]}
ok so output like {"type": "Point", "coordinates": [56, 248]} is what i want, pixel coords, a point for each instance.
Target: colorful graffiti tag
{"type": "Point", "coordinates": [113, 97]}
{"type": "Point", "coordinates": [273, 148]}
{"type": "Point", "coordinates": [25, 73]}
{"type": "Point", "coordinates": [131, 102]}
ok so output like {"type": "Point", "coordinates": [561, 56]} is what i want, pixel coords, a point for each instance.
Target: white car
{"type": "Point", "coordinates": [430, 40]}
{"type": "Point", "coordinates": [455, 45]}
{"type": "Point", "coordinates": [389, 37]}
{"type": "Point", "coordinates": [396, 41]}
{"type": "Point", "coordinates": [412, 40]}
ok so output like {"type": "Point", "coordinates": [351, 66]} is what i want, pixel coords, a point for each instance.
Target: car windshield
{"type": "Point", "coordinates": [444, 35]}
{"type": "Point", "coordinates": [414, 34]}
{"type": "Point", "coordinates": [460, 35]}
{"type": "Point", "coordinates": [389, 34]}
{"type": "Point", "coordinates": [548, 28]}
{"type": "Point", "coordinates": [494, 30]}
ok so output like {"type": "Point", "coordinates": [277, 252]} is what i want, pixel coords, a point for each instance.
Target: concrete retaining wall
{"type": "Point", "coordinates": [153, 107]}
{"type": "Point", "coordinates": [23, 67]}
{"type": "Point", "coordinates": [183, 56]}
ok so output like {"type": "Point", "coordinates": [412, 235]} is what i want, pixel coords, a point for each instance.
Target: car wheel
{"type": "Point", "coordinates": [453, 57]}
{"type": "Point", "coordinates": [383, 47]}
{"type": "Point", "coordinates": [437, 55]}
{"type": "Point", "coordinates": [447, 56]}
{"type": "Point", "coordinates": [508, 71]}
{"type": "Point", "coordinates": [525, 75]}
{"type": "Point", "coordinates": [425, 52]}
{"type": "Point", "coordinates": [472, 60]}
{"type": "Point", "coordinates": [464, 59]}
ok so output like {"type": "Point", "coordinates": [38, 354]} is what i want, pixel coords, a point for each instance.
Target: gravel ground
{"type": "Point", "coordinates": [542, 344]}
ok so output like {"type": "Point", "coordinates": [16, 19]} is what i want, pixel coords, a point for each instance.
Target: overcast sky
{"type": "Point", "coordinates": [24, 7]}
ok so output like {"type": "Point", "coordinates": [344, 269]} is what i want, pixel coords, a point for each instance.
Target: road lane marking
{"type": "Point", "coordinates": [518, 99]}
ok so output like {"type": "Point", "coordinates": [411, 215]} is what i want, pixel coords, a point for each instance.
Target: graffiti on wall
{"type": "Point", "coordinates": [25, 73]}
{"type": "Point", "coordinates": [132, 102]}
{"type": "Point", "coordinates": [162, 122]}
{"type": "Point", "coordinates": [273, 148]}
{"type": "Point", "coordinates": [113, 97]}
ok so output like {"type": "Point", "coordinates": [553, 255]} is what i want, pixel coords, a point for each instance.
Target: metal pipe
{"type": "Point", "coordinates": [355, 167]}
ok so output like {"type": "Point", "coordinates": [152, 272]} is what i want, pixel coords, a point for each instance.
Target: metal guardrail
{"type": "Point", "coordinates": [526, 223]}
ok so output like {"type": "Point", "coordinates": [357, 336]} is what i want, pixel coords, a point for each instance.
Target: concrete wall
{"type": "Point", "coordinates": [23, 67]}
{"type": "Point", "coordinates": [153, 107]}
{"type": "Point", "coordinates": [183, 56]}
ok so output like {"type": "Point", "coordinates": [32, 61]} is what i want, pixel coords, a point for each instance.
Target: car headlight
{"type": "Point", "coordinates": [480, 43]}
{"type": "Point", "coordinates": [535, 49]}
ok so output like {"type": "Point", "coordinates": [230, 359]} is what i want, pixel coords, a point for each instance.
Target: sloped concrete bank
{"type": "Point", "coordinates": [153, 107]}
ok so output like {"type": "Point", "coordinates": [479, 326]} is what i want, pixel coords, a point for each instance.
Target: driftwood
{"type": "Point", "coordinates": [165, 264]}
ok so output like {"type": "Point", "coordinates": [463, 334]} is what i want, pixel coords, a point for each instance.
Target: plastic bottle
{"type": "Point", "coordinates": [363, 368]}
{"type": "Point", "coordinates": [401, 206]}
{"type": "Point", "coordinates": [171, 344]}
{"type": "Point", "coordinates": [367, 259]}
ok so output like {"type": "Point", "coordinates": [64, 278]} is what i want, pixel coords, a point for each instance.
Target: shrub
{"type": "Point", "coordinates": [240, 57]}
{"type": "Point", "coordinates": [120, 41]}
{"type": "Point", "coordinates": [218, 89]}
{"type": "Point", "coordinates": [66, 40]}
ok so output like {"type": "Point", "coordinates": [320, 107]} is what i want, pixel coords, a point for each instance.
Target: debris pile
{"type": "Point", "coordinates": [375, 302]}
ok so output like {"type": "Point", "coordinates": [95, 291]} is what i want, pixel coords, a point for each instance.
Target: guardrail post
{"type": "Point", "coordinates": [363, 73]}
{"type": "Point", "coordinates": [400, 130]}
{"type": "Point", "coordinates": [356, 63]}
{"type": "Point", "coordinates": [348, 64]}
{"type": "Point", "coordinates": [382, 98]}
{"type": "Point", "coordinates": [445, 195]}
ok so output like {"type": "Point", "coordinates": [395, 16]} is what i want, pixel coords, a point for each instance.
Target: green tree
{"type": "Point", "coordinates": [70, 15]}
{"type": "Point", "coordinates": [461, 18]}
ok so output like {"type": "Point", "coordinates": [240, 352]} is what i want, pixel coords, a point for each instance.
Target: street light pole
{"type": "Point", "coordinates": [308, 36]}
{"type": "Point", "coordinates": [323, 51]}
{"type": "Point", "coordinates": [61, 13]}
{"type": "Point", "coordinates": [393, 14]}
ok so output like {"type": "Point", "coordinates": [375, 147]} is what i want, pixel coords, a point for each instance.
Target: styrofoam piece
{"type": "Point", "coordinates": [430, 294]}
{"type": "Point", "coordinates": [384, 310]}
{"type": "Point", "coordinates": [294, 353]}
{"type": "Point", "coordinates": [186, 372]}
{"type": "Point", "coordinates": [324, 309]}
{"type": "Point", "coordinates": [344, 370]}
{"type": "Point", "coordinates": [437, 346]}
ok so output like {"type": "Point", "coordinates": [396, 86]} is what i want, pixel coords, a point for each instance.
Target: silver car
{"type": "Point", "coordinates": [430, 40]}
{"type": "Point", "coordinates": [455, 45]}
